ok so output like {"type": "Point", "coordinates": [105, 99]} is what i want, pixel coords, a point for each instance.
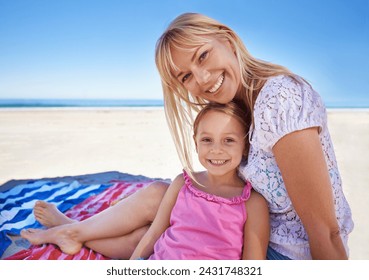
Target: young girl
{"type": "Point", "coordinates": [216, 214]}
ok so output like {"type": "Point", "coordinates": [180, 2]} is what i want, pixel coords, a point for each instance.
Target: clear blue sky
{"type": "Point", "coordinates": [105, 49]}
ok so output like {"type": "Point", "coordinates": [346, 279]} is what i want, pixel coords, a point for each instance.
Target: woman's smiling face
{"type": "Point", "coordinates": [210, 71]}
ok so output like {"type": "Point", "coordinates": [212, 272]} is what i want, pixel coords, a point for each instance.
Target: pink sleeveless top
{"type": "Point", "coordinates": [203, 226]}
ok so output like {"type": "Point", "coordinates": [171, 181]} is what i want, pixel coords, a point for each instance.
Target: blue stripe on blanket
{"type": "Point", "coordinates": [17, 204]}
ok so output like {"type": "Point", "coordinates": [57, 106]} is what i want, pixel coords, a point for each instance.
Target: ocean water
{"type": "Point", "coordinates": [45, 103]}
{"type": "Point", "coordinates": [132, 103]}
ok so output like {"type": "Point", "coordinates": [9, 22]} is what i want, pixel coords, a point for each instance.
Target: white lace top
{"type": "Point", "coordinates": [284, 106]}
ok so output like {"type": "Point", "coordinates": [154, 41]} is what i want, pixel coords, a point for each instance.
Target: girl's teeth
{"type": "Point", "coordinates": [217, 85]}
{"type": "Point", "coordinates": [217, 162]}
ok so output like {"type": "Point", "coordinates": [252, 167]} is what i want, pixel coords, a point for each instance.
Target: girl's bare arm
{"type": "Point", "coordinates": [257, 229]}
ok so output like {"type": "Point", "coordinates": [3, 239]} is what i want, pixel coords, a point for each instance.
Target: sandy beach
{"type": "Point", "coordinates": [38, 143]}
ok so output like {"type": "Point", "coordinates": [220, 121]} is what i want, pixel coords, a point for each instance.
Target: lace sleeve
{"type": "Point", "coordinates": [283, 106]}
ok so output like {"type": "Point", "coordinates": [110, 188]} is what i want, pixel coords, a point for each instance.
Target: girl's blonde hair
{"type": "Point", "coordinates": [230, 109]}
{"type": "Point", "coordinates": [189, 31]}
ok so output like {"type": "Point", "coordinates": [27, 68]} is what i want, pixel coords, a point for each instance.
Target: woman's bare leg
{"type": "Point", "coordinates": [118, 247]}
{"type": "Point", "coordinates": [48, 215]}
{"type": "Point", "coordinates": [134, 212]}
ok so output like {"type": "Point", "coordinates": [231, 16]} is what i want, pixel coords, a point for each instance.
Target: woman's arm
{"type": "Point", "coordinates": [304, 170]}
{"type": "Point", "coordinates": [256, 231]}
{"type": "Point", "coordinates": [161, 222]}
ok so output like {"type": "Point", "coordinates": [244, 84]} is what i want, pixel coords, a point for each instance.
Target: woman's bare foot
{"type": "Point", "coordinates": [60, 236]}
{"type": "Point", "coordinates": [49, 215]}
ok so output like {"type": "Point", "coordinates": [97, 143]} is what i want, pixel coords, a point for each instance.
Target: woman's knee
{"type": "Point", "coordinates": [153, 194]}
{"type": "Point", "coordinates": [156, 190]}
{"type": "Point", "coordinates": [158, 187]}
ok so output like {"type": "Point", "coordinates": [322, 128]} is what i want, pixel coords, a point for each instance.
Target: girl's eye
{"type": "Point", "coordinates": [229, 140]}
{"type": "Point", "coordinates": [203, 56]}
{"type": "Point", "coordinates": [185, 77]}
{"type": "Point", "coordinates": [206, 140]}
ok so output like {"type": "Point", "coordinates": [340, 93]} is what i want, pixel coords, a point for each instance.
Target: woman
{"type": "Point", "coordinates": [291, 158]}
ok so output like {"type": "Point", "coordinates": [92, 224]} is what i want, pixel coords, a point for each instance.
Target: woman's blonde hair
{"type": "Point", "coordinates": [189, 31]}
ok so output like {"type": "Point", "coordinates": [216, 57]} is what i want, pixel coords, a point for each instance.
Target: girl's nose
{"type": "Point", "coordinates": [216, 149]}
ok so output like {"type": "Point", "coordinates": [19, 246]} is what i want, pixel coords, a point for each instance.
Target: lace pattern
{"type": "Point", "coordinates": [284, 106]}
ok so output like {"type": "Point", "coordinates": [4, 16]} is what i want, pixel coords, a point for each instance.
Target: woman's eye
{"type": "Point", "coordinates": [203, 56]}
{"type": "Point", "coordinates": [185, 77]}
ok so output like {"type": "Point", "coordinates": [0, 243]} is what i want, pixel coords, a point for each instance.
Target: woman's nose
{"type": "Point", "coordinates": [202, 76]}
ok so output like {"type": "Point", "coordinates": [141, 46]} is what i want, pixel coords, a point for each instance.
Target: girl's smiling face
{"type": "Point", "coordinates": [220, 142]}
{"type": "Point", "coordinates": [210, 71]}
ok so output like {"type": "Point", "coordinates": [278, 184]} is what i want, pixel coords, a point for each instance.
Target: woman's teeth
{"type": "Point", "coordinates": [217, 85]}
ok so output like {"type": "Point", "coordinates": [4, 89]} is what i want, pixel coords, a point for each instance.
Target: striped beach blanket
{"type": "Point", "coordinates": [76, 200]}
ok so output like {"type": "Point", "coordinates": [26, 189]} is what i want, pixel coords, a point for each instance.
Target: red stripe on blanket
{"type": "Point", "coordinates": [81, 211]}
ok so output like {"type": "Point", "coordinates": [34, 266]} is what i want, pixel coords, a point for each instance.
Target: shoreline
{"type": "Point", "coordinates": [138, 107]}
